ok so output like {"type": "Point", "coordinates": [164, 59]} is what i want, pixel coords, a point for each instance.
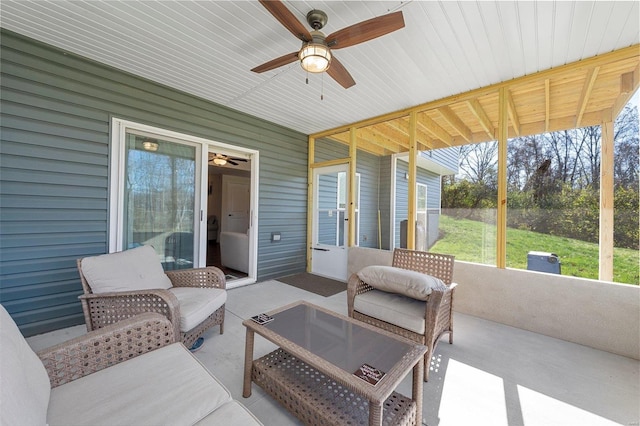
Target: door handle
{"type": "Point", "coordinates": [319, 249]}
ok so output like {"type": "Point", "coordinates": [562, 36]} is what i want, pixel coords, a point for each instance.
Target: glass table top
{"type": "Point", "coordinates": [344, 344]}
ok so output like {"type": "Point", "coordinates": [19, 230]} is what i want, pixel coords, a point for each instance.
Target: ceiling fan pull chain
{"type": "Point", "coordinates": [322, 87]}
{"type": "Point", "coordinates": [307, 79]}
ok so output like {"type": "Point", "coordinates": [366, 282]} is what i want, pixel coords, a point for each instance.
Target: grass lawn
{"type": "Point", "coordinates": [475, 241]}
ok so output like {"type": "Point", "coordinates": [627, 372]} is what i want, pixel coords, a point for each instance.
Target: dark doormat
{"type": "Point", "coordinates": [314, 283]}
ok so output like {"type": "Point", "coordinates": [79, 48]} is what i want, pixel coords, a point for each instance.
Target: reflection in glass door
{"type": "Point", "coordinates": [160, 198]}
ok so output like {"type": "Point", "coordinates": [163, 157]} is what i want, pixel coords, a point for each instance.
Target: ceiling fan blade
{"type": "Point", "coordinates": [232, 162]}
{"type": "Point", "coordinates": [365, 30]}
{"type": "Point", "coordinates": [244, 160]}
{"type": "Point", "coordinates": [278, 62]}
{"type": "Point", "coordinates": [339, 73]}
{"type": "Point", "coordinates": [287, 19]}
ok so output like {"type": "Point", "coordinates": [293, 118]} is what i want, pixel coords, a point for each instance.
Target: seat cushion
{"type": "Point", "coordinates": [167, 386]}
{"type": "Point", "coordinates": [130, 270]}
{"type": "Point", "coordinates": [393, 308]}
{"type": "Point", "coordinates": [24, 386]}
{"type": "Point", "coordinates": [402, 281]}
{"type": "Point", "coordinates": [197, 303]}
{"type": "Point", "coordinates": [230, 414]}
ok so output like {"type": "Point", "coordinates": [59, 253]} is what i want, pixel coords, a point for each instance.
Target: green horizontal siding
{"type": "Point", "coordinates": [55, 111]}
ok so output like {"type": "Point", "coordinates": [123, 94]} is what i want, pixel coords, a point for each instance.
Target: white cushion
{"type": "Point", "coordinates": [197, 303]}
{"type": "Point", "coordinates": [167, 386]}
{"type": "Point", "coordinates": [25, 386]}
{"type": "Point", "coordinates": [402, 281]}
{"type": "Point", "coordinates": [393, 308]}
{"type": "Point", "coordinates": [234, 250]}
{"type": "Point", "coordinates": [230, 414]}
{"type": "Point", "coordinates": [130, 270]}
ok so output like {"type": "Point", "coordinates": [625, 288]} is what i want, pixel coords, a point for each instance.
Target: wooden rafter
{"type": "Point", "coordinates": [547, 103]}
{"type": "Point", "coordinates": [513, 114]}
{"type": "Point", "coordinates": [430, 126]}
{"type": "Point", "coordinates": [583, 93]}
{"type": "Point", "coordinates": [455, 122]}
{"type": "Point", "coordinates": [592, 75]}
{"type": "Point", "coordinates": [481, 115]}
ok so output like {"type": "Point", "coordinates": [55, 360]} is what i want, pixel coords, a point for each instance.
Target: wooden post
{"type": "Point", "coordinates": [605, 272]}
{"type": "Point", "coordinates": [353, 150]}
{"type": "Point", "coordinates": [411, 207]}
{"type": "Point", "coordinates": [310, 195]}
{"type": "Point", "coordinates": [501, 219]}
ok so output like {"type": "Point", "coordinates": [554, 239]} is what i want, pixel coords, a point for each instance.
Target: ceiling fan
{"type": "Point", "coordinates": [221, 159]}
{"type": "Point", "coordinates": [316, 53]}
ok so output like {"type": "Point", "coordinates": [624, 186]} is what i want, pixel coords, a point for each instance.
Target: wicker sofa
{"type": "Point", "coordinates": [422, 319]}
{"type": "Point", "coordinates": [128, 373]}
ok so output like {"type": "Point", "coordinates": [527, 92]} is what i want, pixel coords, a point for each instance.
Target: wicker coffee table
{"type": "Point", "coordinates": [311, 372]}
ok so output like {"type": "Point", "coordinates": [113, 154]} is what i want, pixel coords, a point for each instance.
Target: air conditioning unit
{"type": "Point", "coordinates": [543, 262]}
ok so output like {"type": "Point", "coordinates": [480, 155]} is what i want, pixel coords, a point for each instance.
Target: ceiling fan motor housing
{"type": "Point", "coordinates": [317, 19]}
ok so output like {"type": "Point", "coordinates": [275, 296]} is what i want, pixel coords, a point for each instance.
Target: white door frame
{"type": "Point", "coordinates": [119, 127]}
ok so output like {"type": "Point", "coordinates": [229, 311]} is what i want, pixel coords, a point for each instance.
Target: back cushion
{"type": "Point", "coordinates": [25, 386]}
{"type": "Point", "coordinates": [400, 281]}
{"type": "Point", "coordinates": [130, 270]}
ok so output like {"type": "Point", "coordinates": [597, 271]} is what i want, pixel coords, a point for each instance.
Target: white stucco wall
{"type": "Point", "coordinates": [593, 313]}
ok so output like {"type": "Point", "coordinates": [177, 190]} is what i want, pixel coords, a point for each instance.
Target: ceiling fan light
{"type": "Point", "coordinates": [219, 161]}
{"type": "Point", "coordinates": [150, 145]}
{"type": "Point", "coordinates": [315, 57]}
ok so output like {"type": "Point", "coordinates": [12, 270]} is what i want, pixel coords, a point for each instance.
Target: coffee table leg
{"type": "Point", "coordinates": [418, 373]}
{"type": "Point", "coordinates": [248, 363]}
{"type": "Point", "coordinates": [375, 414]}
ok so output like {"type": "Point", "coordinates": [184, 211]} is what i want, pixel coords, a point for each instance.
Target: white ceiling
{"type": "Point", "coordinates": [207, 48]}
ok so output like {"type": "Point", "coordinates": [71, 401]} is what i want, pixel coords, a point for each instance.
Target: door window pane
{"type": "Point", "coordinates": [159, 198]}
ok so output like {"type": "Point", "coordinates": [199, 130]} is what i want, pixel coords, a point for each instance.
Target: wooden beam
{"type": "Point", "coordinates": [353, 152]}
{"type": "Point", "coordinates": [424, 141]}
{"type": "Point", "coordinates": [592, 75]}
{"type": "Point", "coordinates": [434, 129]}
{"type": "Point", "coordinates": [501, 220]}
{"type": "Point", "coordinates": [455, 122]}
{"type": "Point", "coordinates": [589, 63]}
{"type": "Point", "coordinates": [513, 114]}
{"type": "Point", "coordinates": [628, 86]}
{"type": "Point", "coordinates": [362, 144]}
{"type": "Point", "coordinates": [413, 178]}
{"type": "Point", "coordinates": [481, 115]}
{"type": "Point", "coordinates": [605, 271]}
{"type": "Point", "coordinates": [310, 195]}
{"type": "Point", "coordinates": [547, 104]}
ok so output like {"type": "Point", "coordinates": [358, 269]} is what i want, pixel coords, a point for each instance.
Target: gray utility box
{"type": "Point", "coordinates": [543, 262]}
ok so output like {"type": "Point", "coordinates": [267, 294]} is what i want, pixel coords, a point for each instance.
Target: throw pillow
{"type": "Point", "coordinates": [400, 281]}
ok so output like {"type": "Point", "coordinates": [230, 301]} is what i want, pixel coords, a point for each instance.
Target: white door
{"type": "Point", "coordinates": [236, 203]}
{"type": "Point", "coordinates": [330, 222]}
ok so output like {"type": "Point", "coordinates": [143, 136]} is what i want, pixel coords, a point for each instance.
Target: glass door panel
{"type": "Point", "coordinates": [160, 198]}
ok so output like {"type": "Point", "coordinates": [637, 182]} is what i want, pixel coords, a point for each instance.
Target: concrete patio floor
{"type": "Point", "coordinates": [491, 375]}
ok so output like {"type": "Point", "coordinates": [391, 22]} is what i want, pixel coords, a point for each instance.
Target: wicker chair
{"type": "Point", "coordinates": [105, 308]}
{"type": "Point", "coordinates": [438, 308]}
